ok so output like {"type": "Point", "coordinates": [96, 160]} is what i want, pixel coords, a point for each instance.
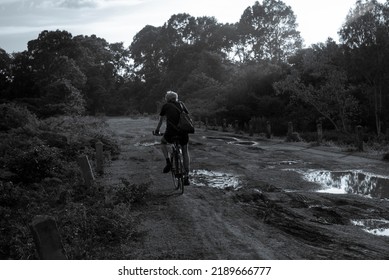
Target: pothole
{"type": "Point", "coordinates": [243, 143]}
{"type": "Point", "coordinates": [350, 181]}
{"type": "Point", "coordinates": [378, 227]}
{"type": "Point", "coordinates": [146, 144]}
{"type": "Point", "coordinates": [222, 138]}
{"type": "Point", "coordinates": [284, 162]}
{"type": "Point", "coordinates": [233, 140]}
{"type": "Point", "coordinates": [215, 179]}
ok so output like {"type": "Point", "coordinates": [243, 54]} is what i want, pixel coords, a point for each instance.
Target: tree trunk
{"type": "Point", "coordinates": [377, 108]}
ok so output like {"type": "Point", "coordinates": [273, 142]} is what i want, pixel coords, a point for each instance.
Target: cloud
{"type": "Point", "coordinates": [77, 4]}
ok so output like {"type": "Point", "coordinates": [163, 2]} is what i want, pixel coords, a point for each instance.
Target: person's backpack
{"type": "Point", "coordinates": [185, 123]}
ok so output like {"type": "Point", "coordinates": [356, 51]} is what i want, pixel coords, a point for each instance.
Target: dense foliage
{"type": "Point", "coordinates": [39, 175]}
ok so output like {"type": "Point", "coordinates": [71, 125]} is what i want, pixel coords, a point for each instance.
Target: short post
{"type": "Point", "coordinates": [236, 126]}
{"type": "Point", "coordinates": [246, 127]}
{"type": "Point", "coordinates": [199, 122]}
{"type": "Point", "coordinates": [319, 133]}
{"type": "Point", "coordinates": [268, 130]}
{"type": "Point", "coordinates": [224, 125]}
{"type": "Point", "coordinates": [359, 138]}
{"type": "Point", "coordinates": [251, 127]}
{"type": "Point", "coordinates": [289, 136]}
{"type": "Point", "coordinates": [47, 239]}
{"type": "Point", "coordinates": [206, 123]}
{"type": "Point", "coordinates": [86, 170]}
{"type": "Point", "coordinates": [99, 158]}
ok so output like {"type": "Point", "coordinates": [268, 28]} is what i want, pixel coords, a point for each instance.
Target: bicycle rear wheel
{"type": "Point", "coordinates": [180, 173]}
{"type": "Point", "coordinates": [177, 170]}
{"type": "Point", "coordinates": [173, 171]}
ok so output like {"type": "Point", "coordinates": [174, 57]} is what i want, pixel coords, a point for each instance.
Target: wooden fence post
{"type": "Point", "coordinates": [47, 239]}
{"type": "Point", "coordinates": [289, 136]}
{"type": "Point", "coordinates": [359, 138]}
{"type": "Point", "coordinates": [224, 125]}
{"type": "Point", "coordinates": [268, 130]}
{"type": "Point", "coordinates": [236, 126]}
{"type": "Point", "coordinates": [251, 127]}
{"type": "Point", "coordinates": [99, 157]}
{"type": "Point", "coordinates": [319, 133]}
{"type": "Point", "coordinates": [86, 170]}
{"type": "Point", "coordinates": [290, 128]}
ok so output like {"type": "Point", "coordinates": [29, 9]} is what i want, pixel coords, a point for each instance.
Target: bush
{"type": "Point", "coordinates": [14, 116]}
{"type": "Point", "coordinates": [129, 193]}
{"type": "Point", "coordinates": [39, 175]}
{"type": "Point", "coordinates": [35, 164]}
{"type": "Point", "coordinates": [88, 231]}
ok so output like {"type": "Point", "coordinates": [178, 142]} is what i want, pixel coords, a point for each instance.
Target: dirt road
{"type": "Point", "coordinates": [251, 198]}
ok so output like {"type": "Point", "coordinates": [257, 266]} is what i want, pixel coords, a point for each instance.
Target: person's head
{"type": "Point", "coordinates": [171, 96]}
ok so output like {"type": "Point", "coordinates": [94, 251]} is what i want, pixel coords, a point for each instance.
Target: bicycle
{"type": "Point", "coordinates": [177, 163]}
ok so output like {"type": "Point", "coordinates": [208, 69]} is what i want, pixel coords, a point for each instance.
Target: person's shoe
{"type": "Point", "coordinates": [168, 166]}
{"type": "Point", "coordinates": [186, 181]}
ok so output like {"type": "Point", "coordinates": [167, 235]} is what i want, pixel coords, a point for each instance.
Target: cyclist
{"type": "Point", "coordinates": [171, 113]}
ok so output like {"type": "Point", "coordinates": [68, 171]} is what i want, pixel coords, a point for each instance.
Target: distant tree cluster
{"type": "Point", "coordinates": [253, 68]}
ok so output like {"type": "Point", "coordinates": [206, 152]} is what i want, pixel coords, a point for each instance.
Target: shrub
{"type": "Point", "coordinates": [88, 231]}
{"type": "Point", "coordinates": [130, 193]}
{"type": "Point", "coordinates": [35, 164]}
{"type": "Point", "coordinates": [14, 116]}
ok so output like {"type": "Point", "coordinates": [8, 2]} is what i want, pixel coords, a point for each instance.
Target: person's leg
{"type": "Point", "coordinates": [165, 152]}
{"type": "Point", "coordinates": [186, 158]}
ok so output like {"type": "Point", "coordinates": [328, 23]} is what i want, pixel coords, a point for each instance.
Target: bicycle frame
{"type": "Point", "coordinates": [177, 163]}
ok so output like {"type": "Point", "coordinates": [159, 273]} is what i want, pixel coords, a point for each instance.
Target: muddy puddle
{"type": "Point", "coordinates": [222, 138]}
{"type": "Point", "coordinates": [378, 227]}
{"type": "Point", "coordinates": [350, 181]}
{"type": "Point", "coordinates": [215, 179]}
{"type": "Point", "coordinates": [233, 140]}
{"type": "Point", "coordinates": [243, 143]}
{"type": "Point", "coordinates": [272, 165]}
{"type": "Point", "coordinates": [147, 144]}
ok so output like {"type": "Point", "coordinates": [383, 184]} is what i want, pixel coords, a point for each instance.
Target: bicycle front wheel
{"type": "Point", "coordinates": [178, 171]}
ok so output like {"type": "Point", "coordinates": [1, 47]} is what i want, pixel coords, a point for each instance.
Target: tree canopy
{"type": "Point", "coordinates": [253, 68]}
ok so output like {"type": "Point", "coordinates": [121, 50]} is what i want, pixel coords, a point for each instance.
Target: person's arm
{"type": "Point", "coordinates": [161, 118]}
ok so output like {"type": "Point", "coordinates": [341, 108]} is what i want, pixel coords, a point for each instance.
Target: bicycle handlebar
{"type": "Point", "coordinates": [157, 134]}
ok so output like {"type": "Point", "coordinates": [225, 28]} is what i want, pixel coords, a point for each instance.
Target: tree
{"type": "Point", "coordinates": [146, 52]}
{"type": "Point", "coordinates": [5, 71]}
{"type": "Point", "coordinates": [318, 79]}
{"type": "Point", "coordinates": [268, 32]}
{"type": "Point", "coordinates": [103, 65]}
{"type": "Point", "coordinates": [365, 36]}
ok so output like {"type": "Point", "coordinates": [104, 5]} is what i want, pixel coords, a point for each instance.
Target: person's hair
{"type": "Point", "coordinates": [171, 96]}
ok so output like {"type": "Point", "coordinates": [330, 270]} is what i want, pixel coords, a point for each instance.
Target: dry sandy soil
{"type": "Point", "coordinates": [253, 201]}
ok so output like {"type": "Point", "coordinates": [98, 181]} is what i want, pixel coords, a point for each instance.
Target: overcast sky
{"type": "Point", "coordinates": [119, 20]}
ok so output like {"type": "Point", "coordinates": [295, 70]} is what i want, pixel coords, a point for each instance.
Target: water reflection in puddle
{"type": "Point", "coordinates": [351, 181]}
{"type": "Point", "coordinates": [214, 179]}
{"type": "Point", "coordinates": [378, 227]}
